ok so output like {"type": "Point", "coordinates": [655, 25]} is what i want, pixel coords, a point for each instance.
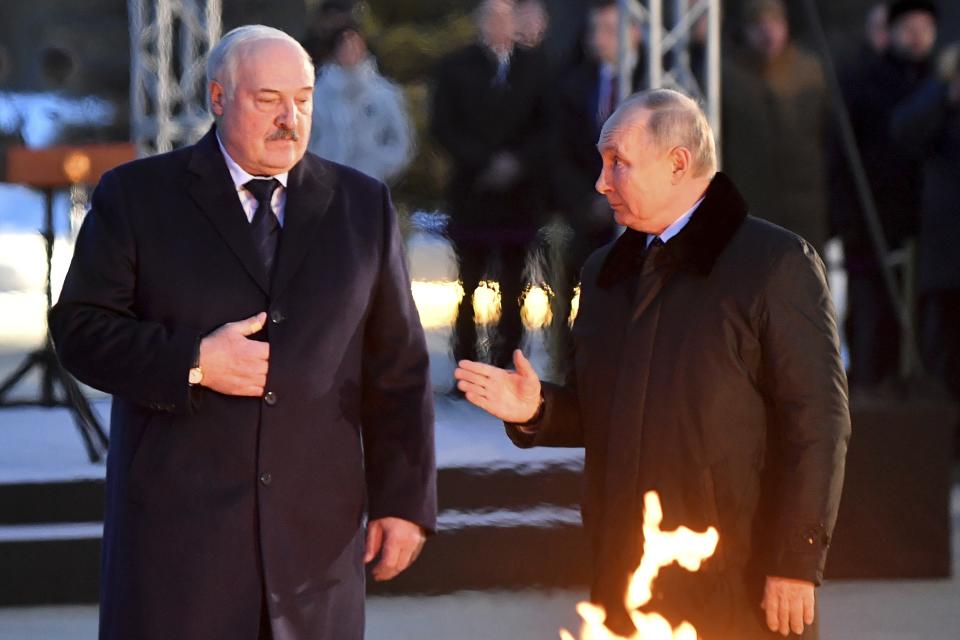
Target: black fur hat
{"type": "Point", "coordinates": [902, 7]}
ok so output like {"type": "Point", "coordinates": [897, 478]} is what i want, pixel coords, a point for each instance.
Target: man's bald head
{"type": "Point", "coordinates": [675, 120]}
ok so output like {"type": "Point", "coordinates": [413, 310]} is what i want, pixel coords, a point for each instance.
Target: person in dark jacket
{"type": "Point", "coordinates": [927, 126]}
{"type": "Point", "coordinates": [248, 306]}
{"type": "Point", "coordinates": [774, 119]}
{"type": "Point", "coordinates": [491, 114]}
{"type": "Point", "coordinates": [587, 97]}
{"type": "Point", "coordinates": [871, 94]}
{"type": "Point", "coordinates": [707, 369]}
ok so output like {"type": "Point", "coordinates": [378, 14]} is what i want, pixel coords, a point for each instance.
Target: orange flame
{"type": "Point", "coordinates": [660, 549]}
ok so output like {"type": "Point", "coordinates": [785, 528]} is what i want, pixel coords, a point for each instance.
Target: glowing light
{"type": "Point", "coordinates": [660, 549]}
{"type": "Point", "coordinates": [437, 302]}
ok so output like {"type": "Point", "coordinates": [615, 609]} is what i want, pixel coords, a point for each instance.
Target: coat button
{"type": "Point", "coordinates": [276, 316]}
{"type": "Point", "coordinates": [266, 479]}
{"type": "Point", "coordinates": [270, 398]}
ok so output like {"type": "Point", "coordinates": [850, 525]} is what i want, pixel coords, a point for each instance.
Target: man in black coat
{"type": "Point", "coordinates": [871, 95]}
{"type": "Point", "coordinates": [491, 115]}
{"type": "Point", "coordinates": [248, 307]}
{"type": "Point", "coordinates": [707, 369]}
{"type": "Point", "coordinates": [587, 97]}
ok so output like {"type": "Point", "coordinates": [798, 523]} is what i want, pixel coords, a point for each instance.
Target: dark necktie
{"type": "Point", "coordinates": [265, 226]}
{"type": "Point", "coordinates": [648, 256]}
{"type": "Point", "coordinates": [608, 102]}
{"type": "Point", "coordinates": [500, 77]}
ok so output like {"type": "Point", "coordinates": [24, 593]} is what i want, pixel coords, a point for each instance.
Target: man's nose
{"type": "Point", "coordinates": [601, 186]}
{"type": "Point", "coordinates": [287, 118]}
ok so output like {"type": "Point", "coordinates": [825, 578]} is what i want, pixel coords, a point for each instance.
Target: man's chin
{"type": "Point", "coordinates": [281, 161]}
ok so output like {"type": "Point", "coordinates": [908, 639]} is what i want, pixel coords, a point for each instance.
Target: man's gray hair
{"type": "Point", "coordinates": [222, 59]}
{"type": "Point", "coordinates": [676, 120]}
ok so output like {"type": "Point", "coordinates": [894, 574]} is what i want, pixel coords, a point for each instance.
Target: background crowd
{"type": "Point", "coordinates": [518, 123]}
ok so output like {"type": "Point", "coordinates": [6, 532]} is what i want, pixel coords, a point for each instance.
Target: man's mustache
{"type": "Point", "coordinates": [284, 134]}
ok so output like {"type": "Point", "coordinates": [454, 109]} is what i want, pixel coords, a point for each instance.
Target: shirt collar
{"type": "Point", "coordinates": [677, 225]}
{"type": "Point", "coordinates": [241, 177]}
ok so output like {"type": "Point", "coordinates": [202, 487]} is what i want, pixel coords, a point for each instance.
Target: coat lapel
{"type": "Point", "coordinates": [211, 187]}
{"type": "Point", "coordinates": [309, 193]}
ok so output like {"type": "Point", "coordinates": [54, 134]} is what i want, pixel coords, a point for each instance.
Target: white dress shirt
{"type": "Point", "coordinates": [677, 225]}
{"type": "Point", "coordinates": [249, 201]}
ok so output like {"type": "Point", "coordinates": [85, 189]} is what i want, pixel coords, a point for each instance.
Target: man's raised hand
{"type": "Point", "coordinates": [233, 364]}
{"type": "Point", "coordinates": [512, 396]}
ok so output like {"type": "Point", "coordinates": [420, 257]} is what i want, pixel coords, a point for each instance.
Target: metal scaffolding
{"type": "Point", "coordinates": [667, 44]}
{"type": "Point", "coordinates": [169, 40]}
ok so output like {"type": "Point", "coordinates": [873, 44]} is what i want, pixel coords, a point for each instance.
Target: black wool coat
{"type": "Point", "coordinates": [474, 120]}
{"type": "Point", "coordinates": [217, 503]}
{"type": "Point", "coordinates": [711, 374]}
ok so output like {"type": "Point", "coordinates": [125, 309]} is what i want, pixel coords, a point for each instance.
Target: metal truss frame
{"type": "Point", "coordinates": [169, 40]}
{"type": "Point", "coordinates": [666, 44]}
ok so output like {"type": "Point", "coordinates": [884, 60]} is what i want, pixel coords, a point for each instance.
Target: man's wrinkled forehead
{"type": "Point", "coordinates": [619, 129]}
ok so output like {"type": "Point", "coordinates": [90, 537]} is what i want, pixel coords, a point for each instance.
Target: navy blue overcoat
{"type": "Point", "coordinates": [215, 501]}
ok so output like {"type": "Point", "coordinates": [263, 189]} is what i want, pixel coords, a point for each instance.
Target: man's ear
{"type": "Point", "coordinates": [680, 159]}
{"type": "Point", "coordinates": [217, 98]}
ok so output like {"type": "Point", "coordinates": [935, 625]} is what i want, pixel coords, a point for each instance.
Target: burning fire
{"type": "Point", "coordinates": [660, 549]}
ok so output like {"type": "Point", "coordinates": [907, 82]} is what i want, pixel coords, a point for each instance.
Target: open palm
{"type": "Point", "coordinates": [512, 396]}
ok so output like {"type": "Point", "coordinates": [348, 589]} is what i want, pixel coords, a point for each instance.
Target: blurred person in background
{"type": "Point", "coordinates": [359, 117]}
{"type": "Point", "coordinates": [871, 94]}
{"type": "Point", "coordinates": [876, 36]}
{"type": "Point", "coordinates": [774, 115]}
{"type": "Point", "coordinates": [927, 126]}
{"type": "Point", "coordinates": [492, 115]}
{"type": "Point", "coordinates": [532, 22]}
{"type": "Point", "coordinates": [587, 96]}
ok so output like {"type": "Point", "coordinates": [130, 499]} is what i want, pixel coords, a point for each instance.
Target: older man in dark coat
{"type": "Point", "coordinates": [707, 369]}
{"type": "Point", "coordinates": [248, 307]}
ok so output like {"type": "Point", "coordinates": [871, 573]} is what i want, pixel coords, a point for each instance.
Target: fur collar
{"type": "Point", "coordinates": [697, 246]}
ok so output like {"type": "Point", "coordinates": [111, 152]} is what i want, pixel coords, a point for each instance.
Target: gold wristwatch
{"type": "Point", "coordinates": [195, 376]}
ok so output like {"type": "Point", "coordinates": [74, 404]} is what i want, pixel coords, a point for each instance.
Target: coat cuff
{"type": "Point", "coordinates": [801, 553]}
{"type": "Point", "coordinates": [174, 394]}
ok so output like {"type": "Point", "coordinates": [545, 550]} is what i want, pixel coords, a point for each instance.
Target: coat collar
{"type": "Point", "coordinates": [310, 188]}
{"type": "Point", "coordinates": [697, 246]}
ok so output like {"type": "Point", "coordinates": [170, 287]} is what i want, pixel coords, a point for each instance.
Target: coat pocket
{"type": "Point", "coordinates": [138, 459]}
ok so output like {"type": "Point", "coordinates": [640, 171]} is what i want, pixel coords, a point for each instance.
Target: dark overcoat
{"type": "Point", "coordinates": [577, 162]}
{"type": "Point", "coordinates": [712, 376]}
{"type": "Point", "coordinates": [474, 119]}
{"type": "Point", "coordinates": [928, 128]}
{"type": "Point", "coordinates": [213, 500]}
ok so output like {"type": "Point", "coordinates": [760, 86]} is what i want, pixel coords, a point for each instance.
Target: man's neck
{"type": "Point", "coordinates": [692, 194]}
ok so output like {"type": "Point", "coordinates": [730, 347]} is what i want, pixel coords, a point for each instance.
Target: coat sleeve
{"type": "Point", "coordinates": [397, 414]}
{"type": "Point", "coordinates": [558, 426]}
{"type": "Point", "coordinates": [805, 385]}
{"type": "Point", "coordinates": [98, 335]}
